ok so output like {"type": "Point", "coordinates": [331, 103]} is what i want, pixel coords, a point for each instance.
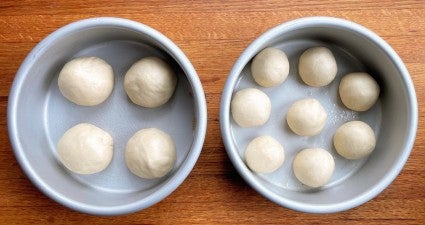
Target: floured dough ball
{"type": "Point", "coordinates": [317, 66]}
{"type": "Point", "coordinates": [150, 153]}
{"type": "Point", "coordinates": [358, 91]}
{"type": "Point", "coordinates": [354, 140]}
{"type": "Point", "coordinates": [313, 167]}
{"type": "Point", "coordinates": [270, 67]}
{"type": "Point", "coordinates": [150, 82]}
{"type": "Point", "coordinates": [250, 107]}
{"type": "Point", "coordinates": [306, 117]}
{"type": "Point", "coordinates": [86, 81]}
{"type": "Point", "coordinates": [85, 149]}
{"type": "Point", "coordinates": [264, 154]}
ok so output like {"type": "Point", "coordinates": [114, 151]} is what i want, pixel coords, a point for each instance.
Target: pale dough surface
{"type": "Point", "coordinates": [317, 66]}
{"type": "Point", "coordinates": [250, 107]}
{"type": "Point", "coordinates": [306, 117]}
{"type": "Point", "coordinates": [150, 153]}
{"type": "Point", "coordinates": [354, 140]}
{"type": "Point", "coordinates": [313, 167]}
{"type": "Point", "coordinates": [264, 154]}
{"type": "Point", "coordinates": [358, 91]}
{"type": "Point", "coordinates": [86, 81]}
{"type": "Point", "coordinates": [270, 67]}
{"type": "Point", "coordinates": [85, 149]}
{"type": "Point", "coordinates": [150, 82]}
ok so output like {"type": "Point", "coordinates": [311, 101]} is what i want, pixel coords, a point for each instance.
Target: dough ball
{"type": "Point", "coordinates": [317, 67]}
{"type": "Point", "coordinates": [270, 67]}
{"type": "Point", "coordinates": [150, 82]}
{"type": "Point", "coordinates": [306, 117]}
{"type": "Point", "coordinates": [358, 91]}
{"type": "Point", "coordinates": [85, 149]}
{"type": "Point", "coordinates": [264, 154]}
{"type": "Point", "coordinates": [354, 140]}
{"type": "Point", "coordinates": [313, 167]}
{"type": "Point", "coordinates": [86, 81]}
{"type": "Point", "coordinates": [250, 107]}
{"type": "Point", "coordinates": [150, 153]}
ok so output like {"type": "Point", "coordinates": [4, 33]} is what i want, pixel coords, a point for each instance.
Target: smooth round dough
{"type": "Point", "coordinates": [85, 149]}
{"type": "Point", "coordinates": [86, 81]}
{"type": "Point", "coordinates": [270, 67]}
{"type": "Point", "coordinates": [306, 117]}
{"type": "Point", "coordinates": [150, 82]}
{"type": "Point", "coordinates": [250, 107]}
{"type": "Point", "coordinates": [354, 140]}
{"type": "Point", "coordinates": [317, 67]}
{"type": "Point", "coordinates": [313, 167]}
{"type": "Point", "coordinates": [150, 153]}
{"type": "Point", "coordinates": [358, 91]}
{"type": "Point", "coordinates": [264, 154]}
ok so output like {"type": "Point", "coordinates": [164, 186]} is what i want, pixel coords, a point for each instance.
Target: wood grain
{"type": "Point", "coordinates": [213, 34]}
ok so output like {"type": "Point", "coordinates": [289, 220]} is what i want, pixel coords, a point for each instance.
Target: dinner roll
{"type": "Point", "coordinates": [354, 140]}
{"type": "Point", "coordinates": [86, 81]}
{"type": "Point", "coordinates": [250, 107]}
{"type": "Point", "coordinates": [150, 153]}
{"type": "Point", "coordinates": [306, 117]}
{"type": "Point", "coordinates": [358, 91]}
{"type": "Point", "coordinates": [85, 149]}
{"type": "Point", "coordinates": [264, 154]}
{"type": "Point", "coordinates": [270, 67]}
{"type": "Point", "coordinates": [313, 167]}
{"type": "Point", "coordinates": [150, 82]}
{"type": "Point", "coordinates": [317, 66]}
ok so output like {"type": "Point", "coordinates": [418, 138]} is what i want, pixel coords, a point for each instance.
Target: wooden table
{"type": "Point", "coordinates": [212, 34]}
